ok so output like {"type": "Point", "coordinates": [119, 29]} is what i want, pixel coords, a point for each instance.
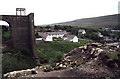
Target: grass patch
{"type": "Point", "coordinates": [53, 52]}
{"type": "Point", "coordinates": [113, 55]}
{"type": "Point", "coordinates": [17, 60]}
{"type": "Point", "coordinates": [82, 42]}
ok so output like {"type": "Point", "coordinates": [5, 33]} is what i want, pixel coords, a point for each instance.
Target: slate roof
{"type": "Point", "coordinates": [45, 34]}
{"type": "Point", "coordinates": [56, 33]}
{"type": "Point", "coordinates": [81, 30]}
{"type": "Point", "coordinates": [69, 37]}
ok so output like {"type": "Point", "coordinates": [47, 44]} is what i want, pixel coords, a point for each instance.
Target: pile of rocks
{"type": "Point", "coordinates": [78, 56]}
{"type": "Point", "coordinates": [92, 55]}
{"type": "Point", "coordinates": [92, 58]}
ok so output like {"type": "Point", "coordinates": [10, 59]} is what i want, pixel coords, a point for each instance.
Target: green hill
{"type": "Point", "coordinates": [110, 20]}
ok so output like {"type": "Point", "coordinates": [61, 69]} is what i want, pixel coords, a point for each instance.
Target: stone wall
{"type": "Point", "coordinates": [22, 32]}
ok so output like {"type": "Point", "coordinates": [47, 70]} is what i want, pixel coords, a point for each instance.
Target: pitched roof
{"type": "Point", "coordinates": [43, 34]}
{"type": "Point", "coordinates": [81, 30]}
{"type": "Point", "coordinates": [69, 37]}
{"type": "Point", "coordinates": [56, 33]}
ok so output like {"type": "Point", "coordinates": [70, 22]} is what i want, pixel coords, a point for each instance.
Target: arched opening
{"type": "Point", "coordinates": [6, 32]}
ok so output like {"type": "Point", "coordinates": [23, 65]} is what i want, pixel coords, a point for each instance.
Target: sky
{"type": "Point", "coordinates": [119, 7]}
{"type": "Point", "coordinates": [56, 11]}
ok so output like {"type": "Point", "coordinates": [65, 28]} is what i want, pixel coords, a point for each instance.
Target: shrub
{"type": "Point", "coordinates": [16, 61]}
{"type": "Point", "coordinates": [5, 36]}
{"type": "Point", "coordinates": [53, 52]}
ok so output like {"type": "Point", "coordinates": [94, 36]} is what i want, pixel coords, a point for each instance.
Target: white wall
{"type": "Point", "coordinates": [84, 32]}
{"type": "Point", "coordinates": [38, 39]}
{"type": "Point", "coordinates": [75, 39]}
{"type": "Point", "coordinates": [57, 36]}
{"type": "Point", "coordinates": [49, 38]}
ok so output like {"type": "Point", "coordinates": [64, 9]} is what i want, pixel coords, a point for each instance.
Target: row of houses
{"type": "Point", "coordinates": [48, 36]}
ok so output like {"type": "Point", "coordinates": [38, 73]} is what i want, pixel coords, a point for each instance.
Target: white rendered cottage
{"type": "Point", "coordinates": [99, 34]}
{"type": "Point", "coordinates": [48, 36]}
{"type": "Point", "coordinates": [45, 36]}
{"type": "Point", "coordinates": [57, 34]}
{"type": "Point", "coordinates": [81, 32]}
{"type": "Point", "coordinates": [71, 38]}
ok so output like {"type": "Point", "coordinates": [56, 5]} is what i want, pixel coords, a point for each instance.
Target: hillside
{"type": "Point", "coordinates": [110, 20]}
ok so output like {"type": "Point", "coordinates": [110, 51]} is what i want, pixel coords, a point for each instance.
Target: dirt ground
{"type": "Point", "coordinates": [94, 64]}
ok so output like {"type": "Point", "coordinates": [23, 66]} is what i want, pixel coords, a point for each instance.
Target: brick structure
{"type": "Point", "coordinates": [22, 32]}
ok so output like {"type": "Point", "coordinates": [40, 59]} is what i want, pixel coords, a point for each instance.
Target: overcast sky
{"type": "Point", "coordinates": [55, 11]}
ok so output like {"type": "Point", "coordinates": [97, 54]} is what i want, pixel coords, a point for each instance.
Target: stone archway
{"type": "Point", "coordinates": [22, 31]}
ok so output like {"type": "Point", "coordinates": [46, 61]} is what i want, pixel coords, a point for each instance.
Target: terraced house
{"type": "Point", "coordinates": [48, 36]}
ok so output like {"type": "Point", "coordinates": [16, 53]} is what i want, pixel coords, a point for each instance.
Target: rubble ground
{"type": "Point", "coordinates": [91, 60]}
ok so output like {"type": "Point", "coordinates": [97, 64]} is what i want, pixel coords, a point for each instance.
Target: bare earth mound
{"type": "Point", "coordinates": [86, 61]}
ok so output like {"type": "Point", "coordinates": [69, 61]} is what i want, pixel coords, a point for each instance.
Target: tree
{"type": "Point", "coordinates": [56, 27]}
{"type": "Point", "coordinates": [105, 33]}
{"type": "Point", "coordinates": [48, 27]}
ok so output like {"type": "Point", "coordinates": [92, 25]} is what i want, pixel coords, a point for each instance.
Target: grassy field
{"type": "Point", "coordinates": [16, 60]}
{"type": "Point", "coordinates": [5, 36]}
{"type": "Point", "coordinates": [53, 52]}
